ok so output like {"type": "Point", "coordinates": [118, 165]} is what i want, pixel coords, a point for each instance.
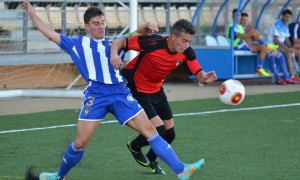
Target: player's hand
{"type": "Point", "coordinates": [152, 27]}
{"type": "Point", "coordinates": [27, 6]}
{"type": "Point", "coordinates": [207, 77]}
{"type": "Point", "coordinates": [116, 61]}
{"type": "Point", "coordinates": [211, 76]}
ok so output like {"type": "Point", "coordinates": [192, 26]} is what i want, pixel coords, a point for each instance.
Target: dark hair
{"type": "Point", "coordinates": [244, 14]}
{"type": "Point", "coordinates": [234, 11]}
{"type": "Point", "coordinates": [90, 13]}
{"type": "Point", "coordinates": [287, 11]}
{"type": "Point", "coordinates": [183, 26]}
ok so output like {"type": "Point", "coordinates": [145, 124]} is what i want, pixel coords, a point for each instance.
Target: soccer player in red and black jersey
{"type": "Point", "coordinates": [145, 74]}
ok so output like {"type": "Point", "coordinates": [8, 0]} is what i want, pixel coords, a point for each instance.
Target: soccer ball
{"type": "Point", "coordinates": [231, 92]}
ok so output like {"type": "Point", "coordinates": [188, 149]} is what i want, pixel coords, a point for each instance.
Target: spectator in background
{"type": "Point", "coordinates": [279, 34]}
{"type": "Point", "coordinates": [274, 57]}
{"type": "Point", "coordinates": [243, 41]}
{"type": "Point", "coordinates": [244, 22]}
{"type": "Point", "coordinates": [294, 38]}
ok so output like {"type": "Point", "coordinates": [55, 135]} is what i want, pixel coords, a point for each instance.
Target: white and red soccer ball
{"type": "Point", "coordinates": [231, 92]}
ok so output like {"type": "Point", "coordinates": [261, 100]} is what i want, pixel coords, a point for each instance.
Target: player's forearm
{"type": "Point", "coordinates": [117, 44]}
{"type": "Point", "coordinates": [200, 76]}
{"type": "Point", "coordinates": [47, 30]}
{"type": "Point", "coordinates": [288, 42]}
{"type": "Point", "coordinates": [115, 60]}
{"type": "Point", "coordinates": [276, 41]}
{"type": "Point", "coordinates": [243, 36]}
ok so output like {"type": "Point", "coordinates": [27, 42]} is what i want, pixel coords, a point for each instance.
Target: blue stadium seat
{"type": "Point", "coordinates": [222, 41]}
{"type": "Point", "coordinates": [210, 41]}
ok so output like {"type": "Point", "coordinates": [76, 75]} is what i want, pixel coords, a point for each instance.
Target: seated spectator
{"type": "Point", "coordinates": [294, 38]}
{"type": "Point", "coordinates": [279, 34]}
{"type": "Point", "coordinates": [243, 41]}
{"type": "Point", "coordinates": [274, 57]}
{"type": "Point", "coordinates": [244, 21]}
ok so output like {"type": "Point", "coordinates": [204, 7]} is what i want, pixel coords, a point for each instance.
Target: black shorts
{"type": "Point", "coordinates": [154, 104]}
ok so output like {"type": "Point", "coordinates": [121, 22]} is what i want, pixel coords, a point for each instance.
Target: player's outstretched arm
{"type": "Point", "coordinates": [115, 59]}
{"type": "Point", "coordinates": [146, 29]}
{"type": "Point", "coordinates": [48, 31]}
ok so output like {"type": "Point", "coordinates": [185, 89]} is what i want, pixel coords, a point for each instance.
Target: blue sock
{"type": "Point", "coordinates": [283, 66]}
{"type": "Point", "coordinates": [165, 152]}
{"type": "Point", "coordinates": [274, 67]}
{"type": "Point", "coordinates": [260, 63]}
{"type": "Point", "coordinates": [71, 158]}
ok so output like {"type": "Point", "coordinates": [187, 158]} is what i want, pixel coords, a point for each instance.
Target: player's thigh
{"type": "Point", "coordinates": [256, 35]}
{"type": "Point", "coordinates": [258, 48]}
{"type": "Point", "coordinates": [161, 105]}
{"type": "Point", "coordinates": [243, 47]}
{"type": "Point", "coordinates": [125, 107]}
{"type": "Point", "coordinates": [141, 124]}
{"type": "Point", "coordinates": [285, 51]}
{"type": "Point", "coordinates": [145, 101]}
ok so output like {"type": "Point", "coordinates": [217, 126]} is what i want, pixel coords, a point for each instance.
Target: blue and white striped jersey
{"type": "Point", "coordinates": [92, 58]}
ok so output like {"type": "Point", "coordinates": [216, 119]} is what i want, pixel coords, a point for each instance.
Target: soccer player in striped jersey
{"type": "Point", "coordinates": [105, 93]}
{"type": "Point", "coordinates": [145, 74]}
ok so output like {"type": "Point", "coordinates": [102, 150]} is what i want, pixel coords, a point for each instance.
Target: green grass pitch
{"type": "Point", "coordinates": [259, 139]}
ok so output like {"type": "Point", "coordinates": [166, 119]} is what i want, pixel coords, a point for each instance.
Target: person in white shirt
{"type": "Point", "coordinates": [279, 34]}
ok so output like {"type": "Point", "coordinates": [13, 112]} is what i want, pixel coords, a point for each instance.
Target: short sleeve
{"type": "Point", "coordinates": [66, 43]}
{"type": "Point", "coordinates": [191, 60]}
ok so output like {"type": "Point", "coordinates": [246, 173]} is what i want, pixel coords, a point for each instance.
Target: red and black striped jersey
{"type": "Point", "coordinates": [157, 61]}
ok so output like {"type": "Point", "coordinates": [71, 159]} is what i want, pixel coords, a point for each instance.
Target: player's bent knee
{"type": "Point", "coordinates": [80, 143]}
{"type": "Point", "coordinates": [161, 130]}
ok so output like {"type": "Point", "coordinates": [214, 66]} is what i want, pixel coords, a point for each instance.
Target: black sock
{"type": "Point", "coordinates": [170, 135]}
{"type": "Point", "coordinates": [140, 141]}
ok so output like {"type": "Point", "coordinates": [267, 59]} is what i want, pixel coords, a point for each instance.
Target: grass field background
{"type": "Point", "coordinates": [259, 139]}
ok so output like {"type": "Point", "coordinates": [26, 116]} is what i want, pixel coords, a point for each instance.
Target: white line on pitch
{"type": "Point", "coordinates": [239, 109]}
{"type": "Point", "coordinates": [183, 114]}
